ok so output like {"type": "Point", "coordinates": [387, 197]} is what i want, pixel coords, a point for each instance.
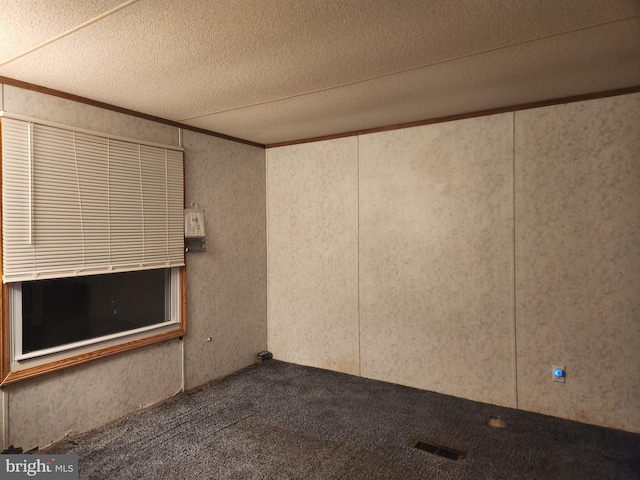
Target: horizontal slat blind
{"type": "Point", "coordinates": [81, 204]}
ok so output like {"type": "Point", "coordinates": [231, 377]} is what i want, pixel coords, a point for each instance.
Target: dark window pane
{"type": "Point", "coordinates": [57, 312]}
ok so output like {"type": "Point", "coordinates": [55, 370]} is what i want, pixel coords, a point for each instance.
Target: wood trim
{"type": "Point", "coordinates": [18, 375]}
{"type": "Point", "coordinates": [418, 123]}
{"type": "Point", "coordinates": [462, 116]}
{"type": "Point", "coordinates": [5, 345]}
{"type": "Point", "coordinates": [126, 111]}
{"type": "Point", "coordinates": [5, 340]}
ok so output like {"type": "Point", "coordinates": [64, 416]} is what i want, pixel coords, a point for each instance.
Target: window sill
{"type": "Point", "coordinates": [30, 372]}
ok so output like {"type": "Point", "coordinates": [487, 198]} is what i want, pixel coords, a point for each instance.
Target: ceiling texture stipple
{"type": "Point", "coordinates": [273, 71]}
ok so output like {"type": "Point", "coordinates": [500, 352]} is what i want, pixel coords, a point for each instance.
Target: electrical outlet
{"type": "Point", "coordinates": [558, 373]}
{"type": "Point", "coordinates": [275, 330]}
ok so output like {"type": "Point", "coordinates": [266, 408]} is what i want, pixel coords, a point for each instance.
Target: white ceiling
{"type": "Point", "coordinates": [272, 71]}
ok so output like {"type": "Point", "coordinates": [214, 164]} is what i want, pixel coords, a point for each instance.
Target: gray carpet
{"type": "Point", "coordinates": [282, 421]}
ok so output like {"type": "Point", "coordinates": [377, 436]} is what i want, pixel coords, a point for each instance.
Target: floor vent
{"type": "Point", "coordinates": [439, 450]}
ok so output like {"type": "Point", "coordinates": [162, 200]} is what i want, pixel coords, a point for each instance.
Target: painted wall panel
{"type": "Point", "coordinates": [578, 260]}
{"type": "Point", "coordinates": [439, 249]}
{"type": "Point", "coordinates": [436, 258]}
{"type": "Point", "coordinates": [74, 400]}
{"type": "Point", "coordinates": [312, 193]}
{"type": "Point", "coordinates": [227, 283]}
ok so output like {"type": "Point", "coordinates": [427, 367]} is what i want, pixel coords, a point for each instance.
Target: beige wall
{"type": "Point", "coordinates": [439, 249]}
{"type": "Point", "coordinates": [578, 260]}
{"type": "Point", "coordinates": [227, 284]}
{"type": "Point", "coordinates": [436, 261]}
{"type": "Point", "coordinates": [313, 254]}
{"type": "Point", "coordinates": [77, 399]}
{"type": "Point", "coordinates": [226, 287]}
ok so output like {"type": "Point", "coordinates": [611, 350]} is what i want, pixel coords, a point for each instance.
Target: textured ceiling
{"type": "Point", "coordinates": [272, 71]}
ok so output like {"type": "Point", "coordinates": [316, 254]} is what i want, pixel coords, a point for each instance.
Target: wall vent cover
{"type": "Point", "coordinates": [439, 450]}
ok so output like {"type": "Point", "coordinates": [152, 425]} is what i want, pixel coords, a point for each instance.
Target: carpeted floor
{"type": "Point", "coordinates": [281, 421]}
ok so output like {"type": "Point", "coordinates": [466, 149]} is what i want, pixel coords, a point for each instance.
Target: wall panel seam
{"type": "Point", "coordinates": [358, 252]}
{"type": "Point", "coordinates": [267, 224]}
{"type": "Point", "coordinates": [515, 322]}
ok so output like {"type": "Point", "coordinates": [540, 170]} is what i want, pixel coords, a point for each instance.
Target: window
{"type": "Point", "coordinates": [50, 316]}
{"type": "Point", "coordinates": [93, 252]}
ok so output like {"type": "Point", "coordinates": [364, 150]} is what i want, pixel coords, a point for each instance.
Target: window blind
{"type": "Point", "coordinates": [76, 204]}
